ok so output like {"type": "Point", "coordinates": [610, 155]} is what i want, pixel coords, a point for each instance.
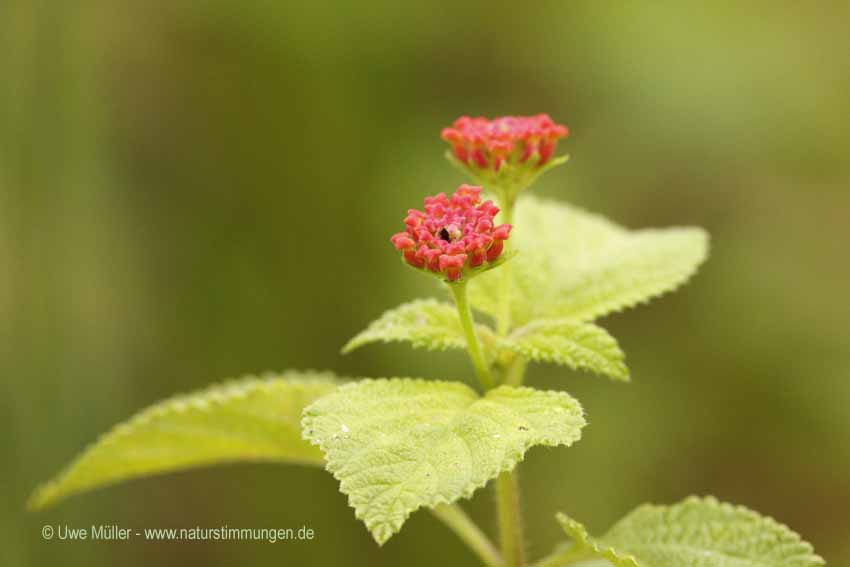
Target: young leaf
{"type": "Point", "coordinates": [585, 547]}
{"type": "Point", "coordinates": [399, 444]}
{"type": "Point", "coordinates": [577, 345]}
{"type": "Point", "coordinates": [576, 265]}
{"type": "Point", "coordinates": [251, 419]}
{"type": "Point", "coordinates": [424, 323]}
{"type": "Point", "coordinates": [700, 532]}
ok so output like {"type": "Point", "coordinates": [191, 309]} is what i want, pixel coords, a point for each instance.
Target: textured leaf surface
{"type": "Point", "coordinates": [576, 265]}
{"type": "Point", "coordinates": [251, 419]}
{"type": "Point", "coordinates": [399, 444]}
{"type": "Point", "coordinates": [577, 345]}
{"type": "Point", "coordinates": [425, 323]}
{"type": "Point", "coordinates": [702, 532]}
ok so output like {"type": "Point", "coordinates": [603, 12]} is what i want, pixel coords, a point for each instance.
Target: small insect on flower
{"type": "Point", "coordinates": [454, 235]}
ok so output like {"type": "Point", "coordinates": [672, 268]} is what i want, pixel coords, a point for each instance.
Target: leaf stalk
{"type": "Point", "coordinates": [456, 520]}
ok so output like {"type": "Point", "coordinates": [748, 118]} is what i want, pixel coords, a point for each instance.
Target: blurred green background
{"type": "Point", "coordinates": [191, 191]}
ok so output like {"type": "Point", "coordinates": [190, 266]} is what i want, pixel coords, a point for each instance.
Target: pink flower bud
{"type": "Point", "coordinates": [483, 146]}
{"type": "Point", "coordinates": [402, 241]}
{"type": "Point", "coordinates": [453, 234]}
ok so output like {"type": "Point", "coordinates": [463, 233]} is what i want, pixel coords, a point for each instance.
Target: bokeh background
{"type": "Point", "coordinates": [191, 191]}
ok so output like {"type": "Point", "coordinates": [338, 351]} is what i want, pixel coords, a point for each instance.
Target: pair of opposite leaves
{"type": "Point", "coordinates": [400, 444]}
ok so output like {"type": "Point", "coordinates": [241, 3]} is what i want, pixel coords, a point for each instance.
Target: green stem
{"type": "Point", "coordinates": [456, 519]}
{"type": "Point", "coordinates": [510, 519]}
{"type": "Point", "coordinates": [515, 371]}
{"type": "Point", "coordinates": [473, 345]}
{"type": "Point", "coordinates": [507, 484]}
{"type": "Point", "coordinates": [503, 318]}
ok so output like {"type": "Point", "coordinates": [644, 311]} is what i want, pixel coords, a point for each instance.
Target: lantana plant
{"type": "Point", "coordinates": [537, 274]}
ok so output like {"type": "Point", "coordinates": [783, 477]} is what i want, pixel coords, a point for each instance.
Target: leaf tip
{"type": "Point", "coordinates": [621, 373]}
{"type": "Point", "coordinates": [39, 499]}
{"type": "Point", "coordinates": [381, 536]}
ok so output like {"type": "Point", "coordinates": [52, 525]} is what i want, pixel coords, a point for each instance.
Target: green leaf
{"type": "Point", "coordinates": [577, 345]}
{"type": "Point", "coordinates": [424, 323]}
{"type": "Point", "coordinates": [706, 533]}
{"type": "Point", "coordinates": [251, 419]}
{"type": "Point", "coordinates": [399, 444]}
{"type": "Point", "coordinates": [644, 265]}
{"type": "Point", "coordinates": [699, 532]}
{"type": "Point", "coordinates": [576, 265]}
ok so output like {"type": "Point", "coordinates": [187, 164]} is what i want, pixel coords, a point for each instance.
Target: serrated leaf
{"type": "Point", "coordinates": [702, 532]}
{"type": "Point", "coordinates": [399, 444]}
{"type": "Point", "coordinates": [424, 323]}
{"type": "Point", "coordinates": [577, 345]}
{"type": "Point", "coordinates": [576, 265]}
{"type": "Point", "coordinates": [648, 263]}
{"type": "Point", "coordinates": [250, 419]}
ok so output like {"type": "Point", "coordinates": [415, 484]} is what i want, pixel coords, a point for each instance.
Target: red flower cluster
{"type": "Point", "coordinates": [453, 233]}
{"type": "Point", "coordinates": [486, 144]}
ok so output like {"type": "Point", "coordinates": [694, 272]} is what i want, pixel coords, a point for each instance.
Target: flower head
{"type": "Point", "coordinates": [487, 144]}
{"type": "Point", "coordinates": [453, 234]}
